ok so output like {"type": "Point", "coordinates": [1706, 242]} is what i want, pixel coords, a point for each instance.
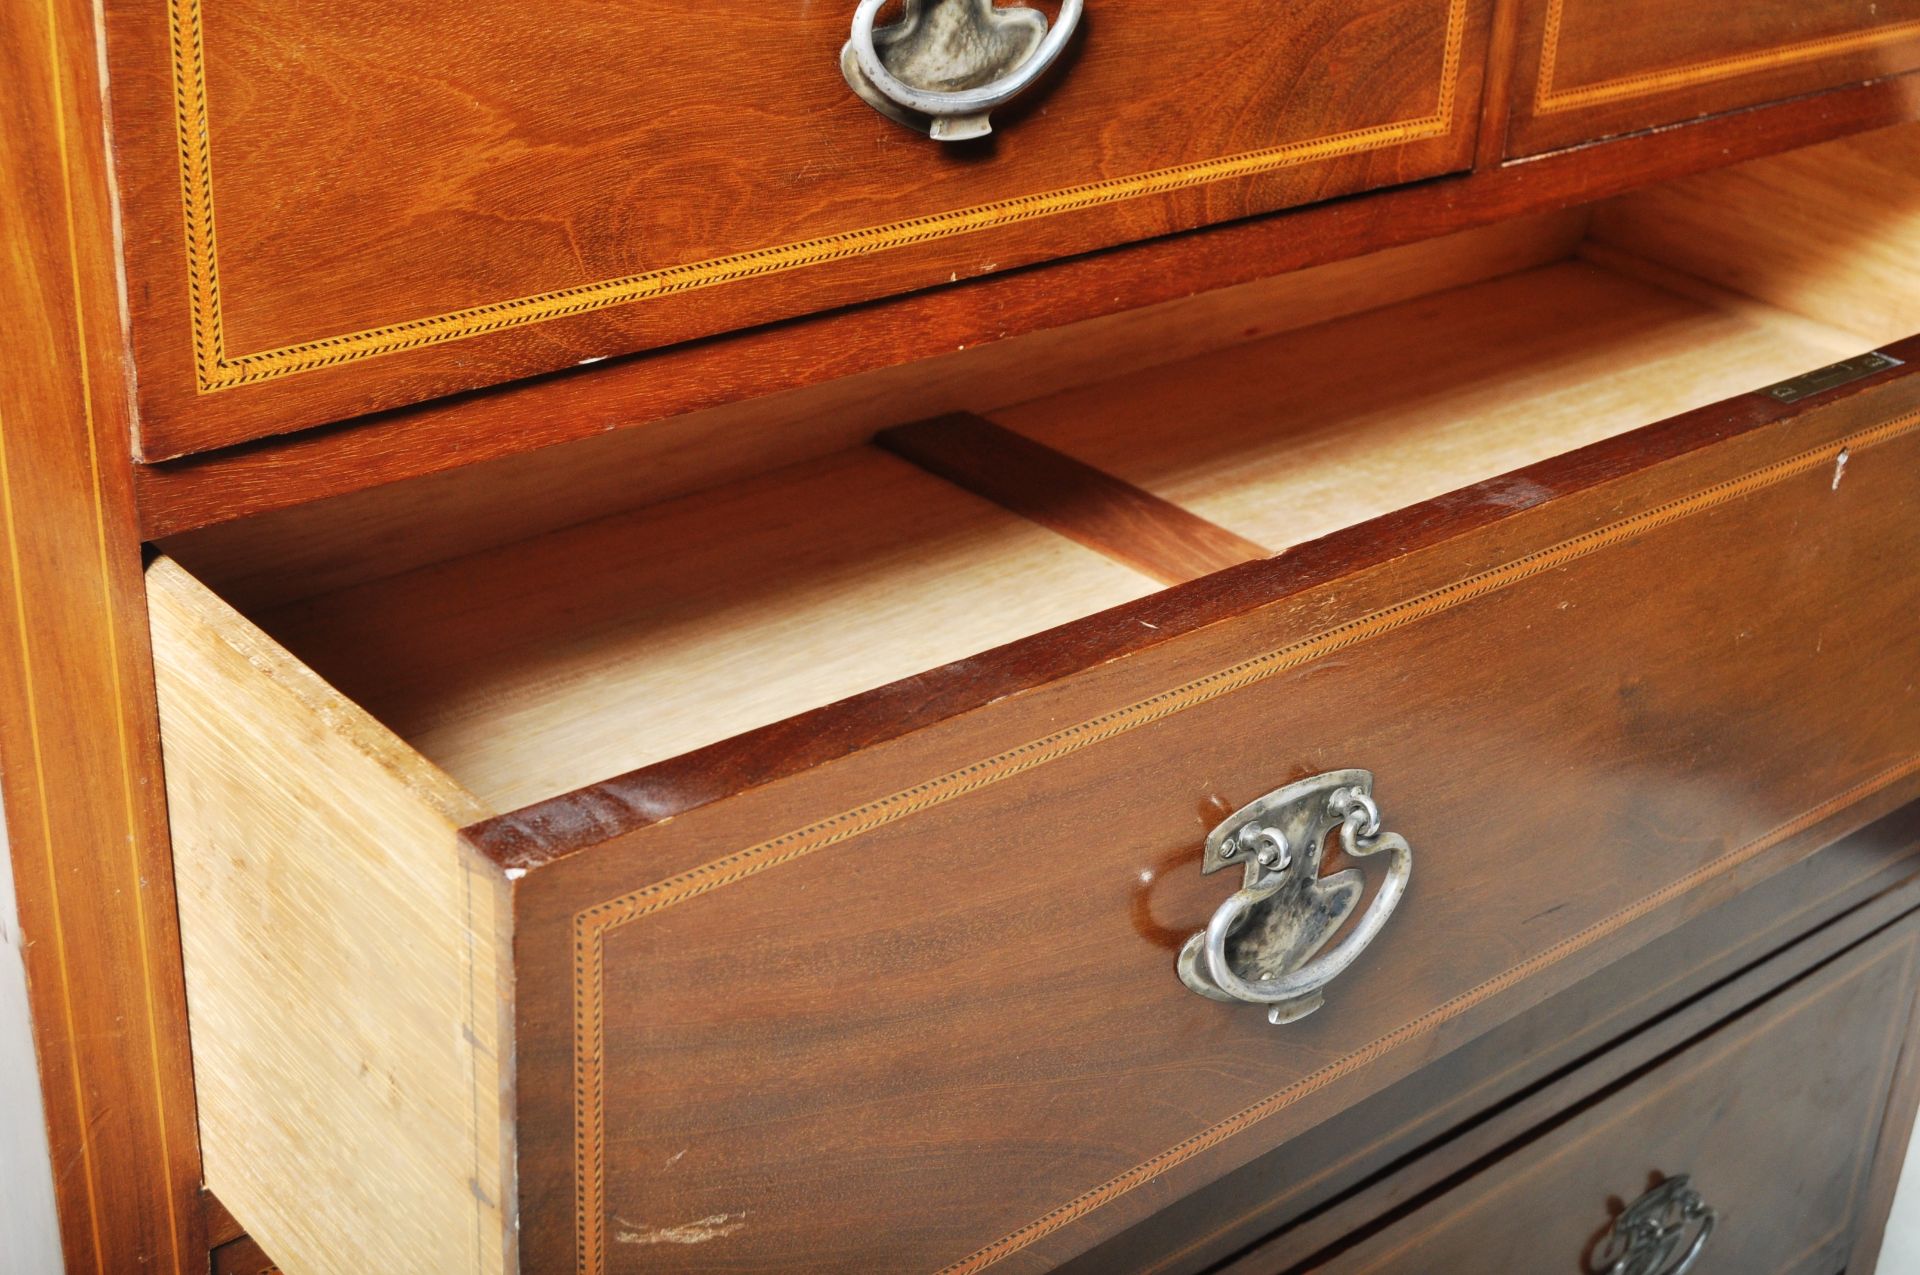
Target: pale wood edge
{"type": "Point", "coordinates": [202, 609]}
{"type": "Point", "coordinates": [348, 963]}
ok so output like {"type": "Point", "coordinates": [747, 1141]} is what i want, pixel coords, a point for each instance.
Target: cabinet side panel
{"type": "Point", "coordinates": [79, 752]}
{"type": "Point", "coordinates": [344, 954]}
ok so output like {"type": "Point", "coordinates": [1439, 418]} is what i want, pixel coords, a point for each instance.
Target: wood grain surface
{"type": "Point", "coordinates": [629, 640]}
{"type": "Point", "coordinates": [410, 203]}
{"type": "Point", "coordinates": [985, 1020]}
{"type": "Point", "coordinates": [1697, 785]}
{"type": "Point", "coordinates": [347, 963]}
{"type": "Point", "coordinates": [639, 392]}
{"type": "Point", "coordinates": [1343, 1176]}
{"type": "Point", "coordinates": [1289, 439]}
{"type": "Point", "coordinates": [78, 745]}
{"type": "Point", "coordinates": [77, 737]}
{"type": "Point", "coordinates": [1164, 541]}
{"type": "Point", "coordinates": [1774, 1118]}
{"type": "Point", "coordinates": [1594, 68]}
{"type": "Point", "coordinates": [243, 1256]}
{"type": "Point", "coordinates": [1830, 234]}
{"type": "Point", "coordinates": [568, 639]}
{"type": "Point", "coordinates": [1889, 1153]}
{"type": "Point", "coordinates": [323, 545]}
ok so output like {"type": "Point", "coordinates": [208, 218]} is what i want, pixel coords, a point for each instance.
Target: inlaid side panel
{"type": "Point", "coordinates": [1595, 68]}
{"type": "Point", "coordinates": [335, 208]}
{"type": "Point", "coordinates": [79, 748]}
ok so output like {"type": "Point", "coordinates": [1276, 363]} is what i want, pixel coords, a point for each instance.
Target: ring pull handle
{"type": "Point", "coordinates": [1661, 1233]}
{"type": "Point", "coordinates": [947, 64]}
{"type": "Point", "coordinates": [1262, 946]}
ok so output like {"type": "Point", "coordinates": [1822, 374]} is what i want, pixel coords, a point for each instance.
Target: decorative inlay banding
{"type": "Point", "coordinates": [37, 624]}
{"type": "Point", "coordinates": [591, 925]}
{"type": "Point", "coordinates": [215, 369]}
{"type": "Point", "coordinates": [1549, 99]}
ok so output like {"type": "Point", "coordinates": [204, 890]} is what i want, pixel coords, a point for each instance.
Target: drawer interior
{"type": "Point", "coordinates": [529, 658]}
{"type": "Point", "coordinates": [1296, 437]}
{"type": "Point", "coordinates": [555, 662]}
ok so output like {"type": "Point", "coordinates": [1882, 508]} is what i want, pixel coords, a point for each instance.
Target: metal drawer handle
{"type": "Point", "coordinates": [1261, 945]}
{"type": "Point", "coordinates": [947, 64]}
{"type": "Point", "coordinates": [1651, 1231]}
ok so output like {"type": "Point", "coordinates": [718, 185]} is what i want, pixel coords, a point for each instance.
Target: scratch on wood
{"type": "Point", "coordinates": [717, 1226]}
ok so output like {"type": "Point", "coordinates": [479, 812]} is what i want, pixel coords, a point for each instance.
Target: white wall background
{"type": "Point", "coordinates": [29, 1231]}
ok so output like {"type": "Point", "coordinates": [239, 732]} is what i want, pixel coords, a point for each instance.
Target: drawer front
{"type": "Point", "coordinates": [1442, 1123]}
{"type": "Point", "coordinates": [418, 200]}
{"type": "Point", "coordinates": [1773, 1120]}
{"type": "Point", "coordinates": [918, 1010]}
{"type": "Point", "coordinates": [1596, 68]}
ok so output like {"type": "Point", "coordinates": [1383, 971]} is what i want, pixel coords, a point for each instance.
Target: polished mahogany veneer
{"type": "Point", "coordinates": [821, 362]}
{"type": "Point", "coordinates": [1765, 1119]}
{"type": "Point", "coordinates": [1589, 69]}
{"type": "Point", "coordinates": [330, 211]}
{"type": "Point", "coordinates": [1539, 652]}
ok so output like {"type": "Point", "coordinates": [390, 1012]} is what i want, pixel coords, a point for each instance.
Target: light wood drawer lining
{"type": "Point", "coordinates": [732, 609]}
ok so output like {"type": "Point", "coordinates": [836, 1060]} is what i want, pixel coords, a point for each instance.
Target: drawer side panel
{"type": "Point", "coordinates": [348, 990]}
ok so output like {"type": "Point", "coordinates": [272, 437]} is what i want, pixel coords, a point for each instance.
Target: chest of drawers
{"type": "Point", "coordinates": [1245, 602]}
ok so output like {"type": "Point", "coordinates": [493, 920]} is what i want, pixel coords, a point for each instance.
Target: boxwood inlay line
{"type": "Point", "coordinates": [1550, 99]}
{"type": "Point", "coordinates": [215, 369]}
{"type": "Point", "coordinates": [591, 925]}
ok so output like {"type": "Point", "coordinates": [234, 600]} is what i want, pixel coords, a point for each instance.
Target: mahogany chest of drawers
{"type": "Point", "coordinates": [950, 636]}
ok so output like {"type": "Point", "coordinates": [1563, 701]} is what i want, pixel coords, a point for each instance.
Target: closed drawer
{"type": "Point", "coordinates": [1595, 68]}
{"type": "Point", "coordinates": [412, 201]}
{"type": "Point", "coordinates": [524, 922]}
{"type": "Point", "coordinates": [1430, 1131]}
{"type": "Point", "coordinates": [1772, 1121]}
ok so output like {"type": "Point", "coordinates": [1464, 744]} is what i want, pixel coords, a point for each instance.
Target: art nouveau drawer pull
{"type": "Point", "coordinates": [1262, 944]}
{"type": "Point", "coordinates": [947, 64]}
{"type": "Point", "coordinates": [1661, 1233]}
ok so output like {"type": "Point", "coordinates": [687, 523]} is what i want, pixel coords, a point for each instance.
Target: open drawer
{"type": "Point", "coordinates": [686, 889]}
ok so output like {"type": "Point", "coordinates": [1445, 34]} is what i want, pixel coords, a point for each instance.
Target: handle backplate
{"type": "Point", "coordinates": [946, 64]}
{"type": "Point", "coordinates": [1661, 1233]}
{"type": "Point", "coordinates": [1263, 944]}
